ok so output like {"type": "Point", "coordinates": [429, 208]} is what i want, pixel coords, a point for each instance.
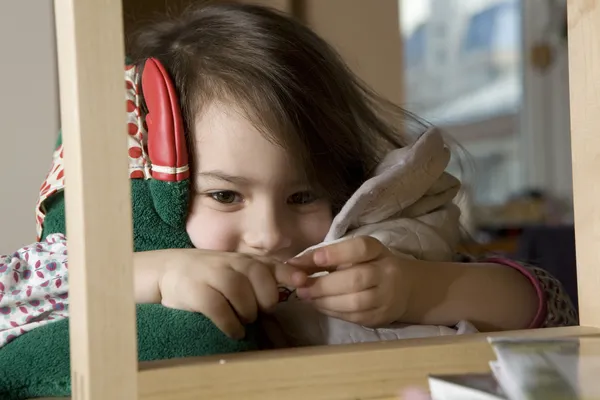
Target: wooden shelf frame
{"type": "Point", "coordinates": [103, 338]}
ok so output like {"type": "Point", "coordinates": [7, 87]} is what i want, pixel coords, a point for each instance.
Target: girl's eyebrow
{"type": "Point", "coordinates": [237, 180]}
{"type": "Point", "coordinates": [223, 176]}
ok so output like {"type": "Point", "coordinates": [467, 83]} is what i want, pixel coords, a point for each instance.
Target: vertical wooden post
{"type": "Point", "coordinates": [584, 73]}
{"type": "Point", "coordinates": [98, 203]}
{"type": "Point", "coordinates": [367, 35]}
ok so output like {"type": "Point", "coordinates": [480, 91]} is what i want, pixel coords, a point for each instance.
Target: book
{"type": "Point", "coordinates": [529, 369]}
{"type": "Point", "coordinates": [465, 387]}
{"type": "Point", "coordinates": [536, 368]}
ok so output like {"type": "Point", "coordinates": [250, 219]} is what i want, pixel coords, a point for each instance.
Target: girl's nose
{"type": "Point", "coordinates": [266, 233]}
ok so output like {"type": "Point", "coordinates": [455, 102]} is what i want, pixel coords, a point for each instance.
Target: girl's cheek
{"type": "Point", "coordinates": [211, 230]}
{"type": "Point", "coordinates": [318, 225]}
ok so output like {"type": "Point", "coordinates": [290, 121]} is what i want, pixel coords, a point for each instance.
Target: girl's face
{"type": "Point", "coordinates": [250, 197]}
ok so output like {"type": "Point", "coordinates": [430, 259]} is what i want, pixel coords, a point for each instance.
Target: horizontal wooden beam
{"type": "Point", "coordinates": [362, 371]}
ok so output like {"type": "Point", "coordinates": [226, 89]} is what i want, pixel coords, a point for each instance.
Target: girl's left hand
{"type": "Point", "coordinates": [368, 286]}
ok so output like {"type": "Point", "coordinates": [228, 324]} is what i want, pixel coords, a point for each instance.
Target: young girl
{"type": "Point", "coordinates": [289, 152]}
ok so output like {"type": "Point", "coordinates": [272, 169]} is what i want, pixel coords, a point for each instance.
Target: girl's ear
{"type": "Point", "coordinates": [167, 147]}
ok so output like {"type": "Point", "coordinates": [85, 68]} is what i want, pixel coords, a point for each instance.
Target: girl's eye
{"type": "Point", "coordinates": [305, 197]}
{"type": "Point", "coordinates": [225, 197]}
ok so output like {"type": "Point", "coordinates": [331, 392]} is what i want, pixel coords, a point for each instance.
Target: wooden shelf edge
{"type": "Point", "coordinates": [365, 371]}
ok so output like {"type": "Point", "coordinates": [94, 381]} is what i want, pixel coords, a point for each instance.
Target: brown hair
{"type": "Point", "coordinates": [288, 81]}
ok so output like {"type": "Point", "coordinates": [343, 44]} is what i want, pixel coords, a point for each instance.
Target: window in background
{"type": "Point", "coordinates": [462, 71]}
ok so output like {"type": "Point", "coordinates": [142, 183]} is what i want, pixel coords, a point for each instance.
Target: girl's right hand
{"type": "Point", "coordinates": [228, 288]}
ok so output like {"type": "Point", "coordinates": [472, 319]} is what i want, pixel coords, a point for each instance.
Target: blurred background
{"type": "Point", "coordinates": [492, 73]}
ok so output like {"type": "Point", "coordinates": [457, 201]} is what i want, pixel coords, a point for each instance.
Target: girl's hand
{"type": "Point", "coordinates": [368, 286]}
{"type": "Point", "coordinates": [228, 288]}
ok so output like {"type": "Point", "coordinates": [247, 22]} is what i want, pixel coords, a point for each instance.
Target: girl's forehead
{"type": "Point", "coordinates": [221, 127]}
{"type": "Point", "coordinates": [226, 141]}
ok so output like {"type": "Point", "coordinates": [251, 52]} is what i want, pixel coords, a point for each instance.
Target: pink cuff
{"type": "Point", "coordinates": [540, 315]}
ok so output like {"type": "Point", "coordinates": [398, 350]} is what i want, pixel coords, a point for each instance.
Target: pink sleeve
{"type": "Point", "coordinates": [554, 305]}
{"type": "Point", "coordinates": [33, 287]}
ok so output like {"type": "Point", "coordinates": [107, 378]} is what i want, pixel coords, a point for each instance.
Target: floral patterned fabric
{"type": "Point", "coordinates": [559, 307]}
{"type": "Point", "coordinates": [137, 144]}
{"type": "Point", "coordinates": [34, 287]}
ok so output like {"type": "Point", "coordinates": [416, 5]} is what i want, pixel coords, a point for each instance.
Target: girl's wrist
{"type": "Point", "coordinates": [412, 285]}
{"type": "Point", "coordinates": [149, 269]}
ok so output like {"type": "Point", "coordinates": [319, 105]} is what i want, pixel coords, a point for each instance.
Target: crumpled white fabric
{"type": "Point", "coordinates": [408, 206]}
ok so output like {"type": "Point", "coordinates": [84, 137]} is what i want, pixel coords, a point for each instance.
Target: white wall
{"type": "Point", "coordinates": [29, 114]}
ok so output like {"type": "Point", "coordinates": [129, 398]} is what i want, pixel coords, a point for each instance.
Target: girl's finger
{"type": "Point", "coordinates": [288, 275]}
{"type": "Point", "coordinates": [237, 290]}
{"type": "Point", "coordinates": [215, 307]}
{"type": "Point", "coordinates": [351, 280]}
{"type": "Point", "coordinates": [264, 278]}
{"type": "Point", "coordinates": [284, 274]}
{"type": "Point", "coordinates": [351, 251]}
{"type": "Point", "coordinates": [349, 303]}
{"type": "Point", "coordinates": [366, 318]}
{"type": "Point", "coordinates": [264, 285]}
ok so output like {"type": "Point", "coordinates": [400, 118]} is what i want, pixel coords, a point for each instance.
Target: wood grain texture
{"type": "Point", "coordinates": [98, 202]}
{"type": "Point", "coordinates": [584, 84]}
{"type": "Point", "coordinates": [365, 371]}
